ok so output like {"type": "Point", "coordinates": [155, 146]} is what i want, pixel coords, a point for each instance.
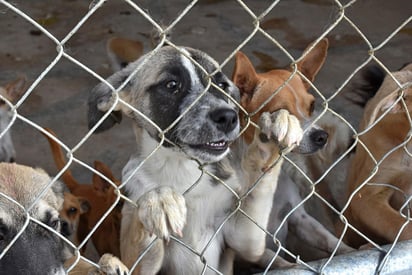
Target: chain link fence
{"type": "Point", "coordinates": [60, 46]}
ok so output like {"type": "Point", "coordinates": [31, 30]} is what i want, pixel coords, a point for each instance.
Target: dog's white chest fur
{"type": "Point", "coordinates": [159, 167]}
{"type": "Point", "coordinates": [207, 202]}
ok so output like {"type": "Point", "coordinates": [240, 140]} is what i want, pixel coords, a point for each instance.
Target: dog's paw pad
{"type": "Point", "coordinates": [281, 126]}
{"type": "Point", "coordinates": [109, 265]}
{"type": "Point", "coordinates": [163, 212]}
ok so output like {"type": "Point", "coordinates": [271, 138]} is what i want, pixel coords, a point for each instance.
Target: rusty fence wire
{"type": "Point", "coordinates": [253, 24]}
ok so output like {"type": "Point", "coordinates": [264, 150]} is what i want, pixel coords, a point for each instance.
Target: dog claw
{"type": "Point", "coordinates": [179, 233]}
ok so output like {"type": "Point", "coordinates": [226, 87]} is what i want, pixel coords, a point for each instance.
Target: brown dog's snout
{"type": "Point", "coordinates": [226, 119]}
{"type": "Point", "coordinates": [66, 230]}
{"type": "Point", "coordinates": [319, 137]}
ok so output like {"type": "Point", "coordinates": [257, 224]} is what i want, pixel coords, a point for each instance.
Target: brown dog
{"type": "Point", "coordinates": [72, 208]}
{"type": "Point", "coordinates": [101, 196]}
{"type": "Point", "coordinates": [378, 192]}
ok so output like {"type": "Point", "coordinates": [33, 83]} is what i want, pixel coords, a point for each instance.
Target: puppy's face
{"type": "Point", "coordinates": [179, 97]}
{"type": "Point", "coordinates": [37, 250]}
{"type": "Point", "coordinates": [73, 207]}
{"type": "Point", "coordinates": [280, 89]}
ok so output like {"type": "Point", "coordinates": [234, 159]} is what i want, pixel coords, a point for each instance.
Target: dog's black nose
{"type": "Point", "coordinates": [319, 137]}
{"type": "Point", "coordinates": [225, 119]}
{"type": "Point", "coordinates": [65, 229]}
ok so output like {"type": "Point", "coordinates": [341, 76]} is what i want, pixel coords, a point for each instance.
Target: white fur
{"type": "Point", "coordinates": [169, 167]}
{"type": "Point", "coordinates": [190, 67]}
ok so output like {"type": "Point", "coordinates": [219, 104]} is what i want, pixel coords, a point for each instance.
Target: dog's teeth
{"type": "Point", "coordinates": [216, 144]}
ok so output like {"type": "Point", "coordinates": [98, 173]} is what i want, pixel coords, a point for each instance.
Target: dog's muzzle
{"type": "Point", "coordinates": [225, 119]}
{"type": "Point", "coordinates": [222, 128]}
{"type": "Point", "coordinates": [319, 138]}
{"type": "Point", "coordinates": [313, 140]}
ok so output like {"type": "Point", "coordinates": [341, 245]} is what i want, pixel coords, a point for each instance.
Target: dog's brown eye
{"type": "Point", "coordinates": [54, 224]}
{"type": "Point", "coordinates": [223, 85]}
{"type": "Point", "coordinates": [171, 85]}
{"type": "Point", "coordinates": [312, 107]}
{"type": "Point", "coordinates": [72, 210]}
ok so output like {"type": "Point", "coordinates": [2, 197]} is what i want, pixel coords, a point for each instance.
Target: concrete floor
{"type": "Point", "coordinates": [217, 27]}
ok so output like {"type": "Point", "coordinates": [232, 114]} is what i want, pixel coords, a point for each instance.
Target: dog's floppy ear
{"type": "Point", "coordinates": [387, 97]}
{"type": "Point", "coordinates": [84, 205]}
{"type": "Point", "coordinates": [382, 105]}
{"type": "Point", "coordinates": [122, 51]}
{"type": "Point", "coordinates": [244, 74]}
{"type": "Point", "coordinates": [101, 95]}
{"type": "Point", "coordinates": [311, 63]}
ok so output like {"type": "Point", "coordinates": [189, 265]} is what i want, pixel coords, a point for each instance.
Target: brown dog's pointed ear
{"type": "Point", "coordinates": [122, 51]}
{"type": "Point", "coordinates": [15, 89]}
{"type": "Point", "coordinates": [100, 185]}
{"type": "Point", "coordinates": [244, 74]}
{"type": "Point", "coordinates": [311, 63]}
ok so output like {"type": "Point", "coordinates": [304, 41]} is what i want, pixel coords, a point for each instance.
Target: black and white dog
{"type": "Point", "coordinates": [182, 177]}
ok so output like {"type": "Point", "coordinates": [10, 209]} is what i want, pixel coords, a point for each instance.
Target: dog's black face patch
{"type": "Point", "coordinates": [36, 251]}
{"type": "Point", "coordinates": [167, 95]}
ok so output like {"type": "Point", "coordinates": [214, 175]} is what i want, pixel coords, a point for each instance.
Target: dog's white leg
{"type": "Point", "coordinates": [314, 233]}
{"type": "Point", "coordinates": [134, 241]}
{"type": "Point", "coordinates": [226, 261]}
{"type": "Point", "coordinates": [277, 130]}
{"type": "Point", "coordinates": [267, 258]}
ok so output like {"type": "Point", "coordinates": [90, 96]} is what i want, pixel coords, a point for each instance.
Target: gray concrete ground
{"type": "Point", "coordinates": [217, 27]}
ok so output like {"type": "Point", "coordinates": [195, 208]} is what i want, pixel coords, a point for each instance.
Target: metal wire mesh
{"type": "Point", "coordinates": [253, 27]}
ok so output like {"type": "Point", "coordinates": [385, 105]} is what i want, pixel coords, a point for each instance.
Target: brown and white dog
{"type": "Point", "coordinates": [269, 92]}
{"type": "Point", "coordinates": [100, 196]}
{"type": "Point", "coordinates": [379, 179]}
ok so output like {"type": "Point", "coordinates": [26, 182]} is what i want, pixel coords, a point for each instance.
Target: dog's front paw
{"type": "Point", "coordinates": [109, 265]}
{"type": "Point", "coordinates": [162, 212]}
{"type": "Point", "coordinates": [282, 127]}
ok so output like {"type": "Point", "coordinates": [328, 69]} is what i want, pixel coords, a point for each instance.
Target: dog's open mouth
{"type": "Point", "coordinates": [215, 147]}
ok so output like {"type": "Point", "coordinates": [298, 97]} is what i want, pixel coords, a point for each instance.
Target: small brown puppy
{"type": "Point", "coordinates": [101, 196]}
{"type": "Point", "coordinates": [73, 207]}
{"type": "Point", "coordinates": [376, 209]}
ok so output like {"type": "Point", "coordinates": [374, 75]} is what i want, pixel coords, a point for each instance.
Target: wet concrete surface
{"type": "Point", "coordinates": [216, 27]}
